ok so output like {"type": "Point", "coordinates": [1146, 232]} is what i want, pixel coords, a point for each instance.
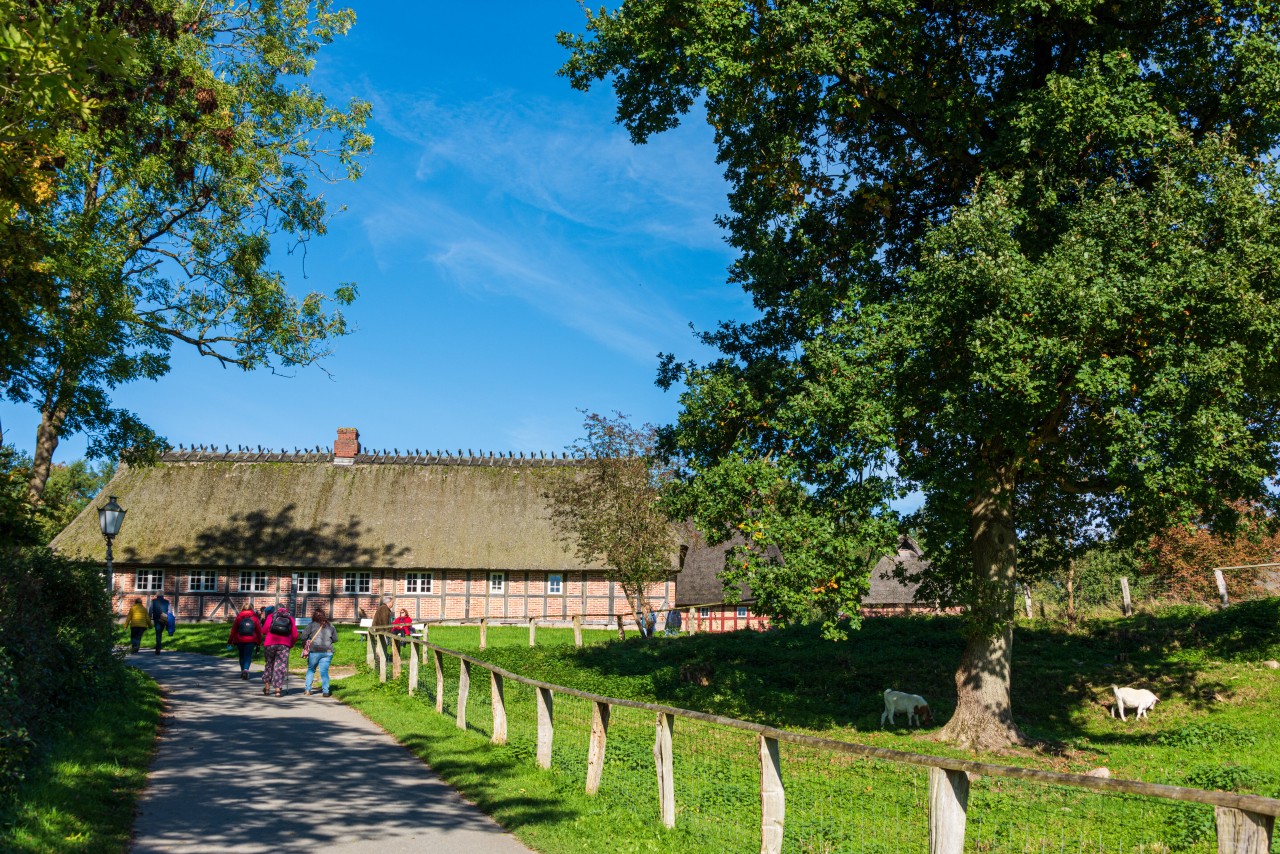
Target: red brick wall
{"type": "Point", "coordinates": [456, 594]}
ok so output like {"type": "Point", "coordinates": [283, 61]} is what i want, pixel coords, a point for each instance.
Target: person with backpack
{"type": "Point", "coordinates": [318, 646]}
{"type": "Point", "coordinates": [246, 634]}
{"type": "Point", "coordinates": [279, 634]}
{"type": "Point", "coordinates": [159, 612]}
{"type": "Point", "coordinates": [138, 621]}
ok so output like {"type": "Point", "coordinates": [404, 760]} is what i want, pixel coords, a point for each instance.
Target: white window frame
{"type": "Point", "coordinates": [153, 583]}
{"type": "Point", "coordinates": [419, 582]}
{"type": "Point", "coordinates": [742, 612]}
{"type": "Point", "coordinates": [203, 581]}
{"type": "Point", "coordinates": [704, 613]}
{"type": "Point", "coordinates": [253, 581]}
{"type": "Point", "coordinates": [357, 582]}
{"type": "Point", "coordinates": [497, 582]}
{"type": "Point", "coordinates": [305, 580]}
{"type": "Point", "coordinates": [555, 583]}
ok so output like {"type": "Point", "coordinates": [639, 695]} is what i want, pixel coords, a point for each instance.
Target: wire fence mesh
{"type": "Point", "coordinates": [836, 802]}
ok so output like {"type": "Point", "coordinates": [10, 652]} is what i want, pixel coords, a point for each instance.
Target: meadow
{"type": "Point", "coordinates": [1214, 728]}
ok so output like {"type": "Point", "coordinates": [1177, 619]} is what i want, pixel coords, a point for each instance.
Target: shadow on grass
{"type": "Point", "coordinates": [793, 678]}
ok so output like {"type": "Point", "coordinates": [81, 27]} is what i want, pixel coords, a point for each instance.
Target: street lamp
{"type": "Point", "coordinates": [110, 518]}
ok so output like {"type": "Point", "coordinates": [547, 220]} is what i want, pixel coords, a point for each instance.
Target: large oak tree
{"type": "Point", "coordinates": [1002, 252]}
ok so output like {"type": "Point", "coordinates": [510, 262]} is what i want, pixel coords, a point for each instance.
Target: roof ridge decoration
{"type": "Point", "coordinates": [245, 454]}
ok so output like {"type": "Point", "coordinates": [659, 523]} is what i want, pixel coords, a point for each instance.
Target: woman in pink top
{"type": "Point", "coordinates": [279, 634]}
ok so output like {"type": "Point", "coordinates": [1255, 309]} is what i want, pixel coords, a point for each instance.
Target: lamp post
{"type": "Point", "coordinates": [110, 518]}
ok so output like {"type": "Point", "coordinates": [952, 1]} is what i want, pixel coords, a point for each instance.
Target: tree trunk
{"type": "Point", "coordinates": [984, 711]}
{"type": "Point", "coordinates": [1071, 594]}
{"type": "Point", "coordinates": [47, 436]}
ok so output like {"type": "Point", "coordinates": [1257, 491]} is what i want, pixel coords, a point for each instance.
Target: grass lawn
{"type": "Point", "coordinates": [1213, 728]}
{"type": "Point", "coordinates": [81, 798]}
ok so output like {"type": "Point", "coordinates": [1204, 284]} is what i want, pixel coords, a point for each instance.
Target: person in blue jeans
{"type": "Point", "coordinates": [318, 643]}
{"type": "Point", "coordinates": [160, 616]}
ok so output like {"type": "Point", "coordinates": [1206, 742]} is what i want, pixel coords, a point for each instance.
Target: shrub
{"type": "Point", "coordinates": [55, 619]}
{"type": "Point", "coordinates": [1208, 734]}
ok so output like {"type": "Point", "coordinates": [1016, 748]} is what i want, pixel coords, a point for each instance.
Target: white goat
{"type": "Point", "coordinates": [1133, 698]}
{"type": "Point", "coordinates": [913, 704]}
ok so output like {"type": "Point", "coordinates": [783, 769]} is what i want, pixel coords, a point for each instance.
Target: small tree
{"type": "Point", "coordinates": [1183, 557]}
{"type": "Point", "coordinates": [607, 507]}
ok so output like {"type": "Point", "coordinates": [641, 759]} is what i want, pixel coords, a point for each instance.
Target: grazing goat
{"type": "Point", "coordinates": [1133, 698]}
{"type": "Point", "coordinates": [913, 704]}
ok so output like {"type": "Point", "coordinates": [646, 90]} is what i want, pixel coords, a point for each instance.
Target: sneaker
{"type": "Point", "coordinates": [326, 694]}
{"type": "Point", "coordinates": [244, 674]}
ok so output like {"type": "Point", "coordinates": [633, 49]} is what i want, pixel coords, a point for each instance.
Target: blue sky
{"type": "Point", "coordinates": [518, 259]}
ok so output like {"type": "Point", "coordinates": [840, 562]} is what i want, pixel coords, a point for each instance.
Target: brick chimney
{"type": "Point", "coordinates": [346, 446]}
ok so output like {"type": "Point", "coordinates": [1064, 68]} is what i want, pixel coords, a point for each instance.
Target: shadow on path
{"type": "Point", "coordinates": [238, 771]}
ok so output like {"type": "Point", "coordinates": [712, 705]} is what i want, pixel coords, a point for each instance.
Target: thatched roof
{"type": "Point", "coordinates": [885, 589]}
{"type": "Point", "coordinates": [700, 583]}
{"type": "Point", "coordinates": [202, 508]}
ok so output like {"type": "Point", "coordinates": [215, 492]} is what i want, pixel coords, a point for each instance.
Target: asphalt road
{"type": "Point", "coordinates": [237, 771]}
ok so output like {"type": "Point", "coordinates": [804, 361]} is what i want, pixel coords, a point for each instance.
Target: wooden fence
{"type": "Point", "coordinates": [1244, 823]}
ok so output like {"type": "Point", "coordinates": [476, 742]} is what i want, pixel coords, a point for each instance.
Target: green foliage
{"type": "Point", "coordinates": [1019, 257]}
{"type": "Point", "coordinates": [607, 508]}
{"type": "Point", "coordinates": [55, 617]}
{"type": "Point", "coordinates": [1210, 734]}
{"type": "Point", "coordinates": [81, 796]}
{"type": "Point", "coordinates": [162, 217]}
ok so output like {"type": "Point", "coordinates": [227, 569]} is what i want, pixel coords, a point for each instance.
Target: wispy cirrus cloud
{"type": "Point", "coordinates": [570, 162]}
{"type": "Point", "coordinates": [556, 208]}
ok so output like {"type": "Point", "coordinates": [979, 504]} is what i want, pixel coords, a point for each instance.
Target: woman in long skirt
{"type": "Point", "coordinates": [279, 634]}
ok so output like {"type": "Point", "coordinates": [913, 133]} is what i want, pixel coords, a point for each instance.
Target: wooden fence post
{"type": "Point", "coordinates": [499, 702]}
{"type": "Point", "coordinates": [692, 621]}
{"type": "Point", "coordinates": [395, 657]}
{"type": "Point", "coordinates": [533, 630]}
{"type": "Point", "coordinates": [948, 803]}
{"type": "Point", "coordinates": [484, 632]}
{"type": "Point", "coordinates": [577, 630]}
{"type": "Point", "coordinates": [413, 669]}
{"type": "Point", "coordinates": [439, 660]}
{"type": "Point", "coordinates": [546, 726]}
{"type": "Point", "coordinates": [1026, 598]}
{"type": "Point", "coordinates": [1126, 606]}
{"type": "Point", "coordinates": [1222, 587]}
{"type": "Point", "coordinates": [381, 644]}
{"type": "Point", "coordinates": [773, 798]}
{"type": "Point", "coordinates": [464, 688]}
{"type": "Point", "coordinates": [622, 633]}
{"type": "Point", "coordinates": [595, 752]}
{"type": "Point", "coordinates": [1241, 832]}
{"type": "Point", "coordinates": [662, 759]}
{"type": "Point", "coordinates": [368, 648]}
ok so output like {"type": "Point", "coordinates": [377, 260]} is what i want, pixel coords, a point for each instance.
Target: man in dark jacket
{"type": "Point", "coordinates": [160, 617]}
{"type": "Point", "coordinates": [382, 617]}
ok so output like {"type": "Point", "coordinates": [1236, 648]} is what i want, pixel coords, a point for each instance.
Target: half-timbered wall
{"type": "Point", "coordinates": [453, 594]}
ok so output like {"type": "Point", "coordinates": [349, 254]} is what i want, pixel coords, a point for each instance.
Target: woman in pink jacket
{"type": "Point", "coordinates": [279, 634]}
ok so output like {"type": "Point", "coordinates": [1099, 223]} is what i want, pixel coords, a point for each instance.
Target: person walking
{"type": "Point", "coordinates": [159, 612]}
{"type": "Point", "coordinates": [279, 634]}
{"type": "Point", "coordinates": [246, 634]}
{"type": "Point", "coordinates": [318, 644]}
{"type": "Point", "coordinates": [138, 621]}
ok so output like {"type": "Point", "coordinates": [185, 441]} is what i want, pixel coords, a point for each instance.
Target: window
{"type": "Point", "coordinates": [418, 582]}
{"type": "Point", "coordinates": [704, 612]}
{"type": "Point", "coordinates": [497, 581]}
{"type": "Point", "coordinates": [149, 580]}
{"type": "Point", "coordinates": [308, 582]}
{"type": "Point", "coordinates": [555, 583]}
{"type": "Point", "coordinates": [253, 582]}
{"type": "Point", "coordinates": [203, 581]}
{"type": "Point", "coordinates": [742, 612]}
{"type": "Point", "coordinates": [357, 582]}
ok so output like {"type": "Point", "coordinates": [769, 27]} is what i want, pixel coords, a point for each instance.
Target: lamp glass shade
{"type": "Point", "coordinates": [111, 517]}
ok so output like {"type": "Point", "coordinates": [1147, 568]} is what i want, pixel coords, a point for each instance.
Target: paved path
{"type": "Point", "coordinates": [358, 790]}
